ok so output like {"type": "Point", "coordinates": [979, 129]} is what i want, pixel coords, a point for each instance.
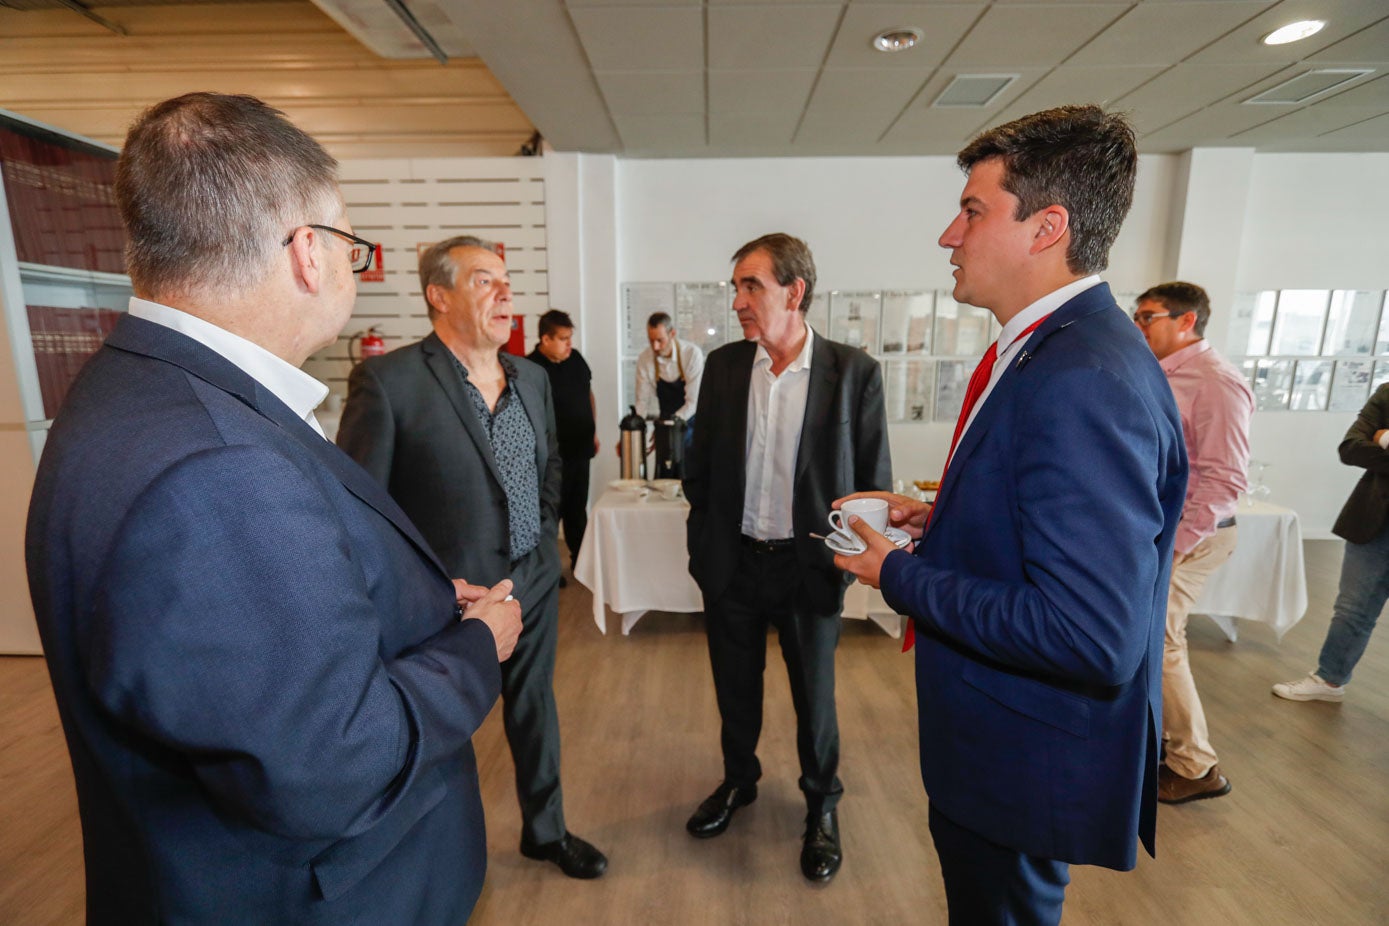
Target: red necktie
{"type": "Point", "coordinates": [973, 391]}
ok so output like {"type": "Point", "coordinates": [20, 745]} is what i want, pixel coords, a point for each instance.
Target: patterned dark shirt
{"type": "Point", "coordinates": [513, 445]}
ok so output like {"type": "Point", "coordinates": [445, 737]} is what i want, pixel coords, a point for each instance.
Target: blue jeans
{"type": "Point", "coordinates": [1364, 589]}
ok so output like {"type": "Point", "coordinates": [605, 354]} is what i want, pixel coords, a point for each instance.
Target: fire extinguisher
{"type": "Point", "coordinates": [369, 343]}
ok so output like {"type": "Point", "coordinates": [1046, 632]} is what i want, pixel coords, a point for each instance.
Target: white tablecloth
{"type": "Point", "coordinates": [634, 560]}
{"type": "Point", "coordinates": [1265, 580]}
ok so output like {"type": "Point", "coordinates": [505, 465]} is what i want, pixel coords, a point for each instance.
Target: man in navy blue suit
{"type": "Point", "coordinates": [1038, 585]}
{"type": "Point", "coordinates": [267, 692]}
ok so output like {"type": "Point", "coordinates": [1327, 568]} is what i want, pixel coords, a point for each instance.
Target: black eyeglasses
{"type": "Point", "coordinates": [1145, 319]}
{"type": "Point", "coordinates": [362, 249]}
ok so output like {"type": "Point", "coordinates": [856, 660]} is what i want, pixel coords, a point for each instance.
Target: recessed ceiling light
{"type": "Point", "coordinates": [898, 38]}
{"type": "Point", "coordinates": [1294, 32]}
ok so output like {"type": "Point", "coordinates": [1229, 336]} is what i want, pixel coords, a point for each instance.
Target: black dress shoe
{"type": "Point", "coordinates": [574, 857]}
{"type": "Point", "coordinates": [820, 853]}
{"type": "Point", "coordinates": [713, 816]}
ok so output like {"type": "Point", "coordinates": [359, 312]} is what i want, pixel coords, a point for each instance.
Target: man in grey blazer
{"type": "Point", "coordinates": [463, 437]}
{"type": "Point", "coordinates": [801, 422]}
{"type": "Point", "coordinates": [267, 692]}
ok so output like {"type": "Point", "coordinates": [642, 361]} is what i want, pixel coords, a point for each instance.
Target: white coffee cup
{"type": "Point", "coordinates": [671, 491]}
{"type": "Point", "coordinates": [873, 512]}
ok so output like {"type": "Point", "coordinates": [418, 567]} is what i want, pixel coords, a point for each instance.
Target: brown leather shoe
{"type": "Point", "coordinates": [1174, 789]}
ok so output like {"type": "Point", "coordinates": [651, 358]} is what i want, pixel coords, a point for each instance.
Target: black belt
{"type": "Point", "coordinates": [1228, 522]}
{"type": "Point", "coordinates": [768, 546]}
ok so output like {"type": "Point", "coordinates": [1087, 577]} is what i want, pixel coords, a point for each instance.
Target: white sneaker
{"type": "Point", "coordinates": [1310, 688]}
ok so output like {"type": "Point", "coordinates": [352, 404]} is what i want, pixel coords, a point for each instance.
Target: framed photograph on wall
{"type": "Point", "coordinates": [1273, 384]}
{"type": "Point", "coordinates": [908, 318]}
{"type": "Point", "coordinates": [908, 389]}
{"type": "Point", "coordinates": [952, 379]}
{"type": "Point", "coordinates": [639, 301]}
{"type": "Point", "coordinates": [701, 314]}
{"type": "Point", "coordinates": [1350, 385]}
{"type": "Point", "coordinates": [1311, 385]}
{"type": "Point", "coordinates": [855, 317]}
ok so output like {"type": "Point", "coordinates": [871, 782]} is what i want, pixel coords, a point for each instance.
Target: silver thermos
{"type": "Point", "coordinates": [633, 446]}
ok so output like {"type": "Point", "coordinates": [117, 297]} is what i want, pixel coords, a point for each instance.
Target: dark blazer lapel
{"type": "Point", "coordinates": [739, 386]}
{"type": "Point", "coordinates": [138, 336]}
{"type": "Point", "coordinates": [824, 379]}
{"type": "Point", "coordinates": [533, 401]}
{"type": "Point", "coordinates": [440, 361]}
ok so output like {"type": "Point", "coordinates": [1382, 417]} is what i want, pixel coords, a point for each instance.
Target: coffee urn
{"type": "Point", "coordinates": [670, 448]}
{"type": "Point", "coordinates": [633, 445]}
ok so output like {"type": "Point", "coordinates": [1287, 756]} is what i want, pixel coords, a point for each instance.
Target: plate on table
{"type": "Point", "coordinates": [847, 545]}
{"type": "Point", "coordinates": [628, 485]}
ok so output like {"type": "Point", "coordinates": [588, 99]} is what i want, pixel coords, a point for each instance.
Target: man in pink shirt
{"type": "Point", "coordinates": [1215, 404]}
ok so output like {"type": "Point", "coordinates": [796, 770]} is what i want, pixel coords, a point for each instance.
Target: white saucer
{"type": "Point", "coordinates": [836, 542]}
{"type": "Point", "coordinates": [628, 485]}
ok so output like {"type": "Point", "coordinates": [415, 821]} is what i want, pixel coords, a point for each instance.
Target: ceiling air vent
{"type": "Point", "coordinates": [1304, 87]}
{"type": "Point", "coordinates": [976, 90]}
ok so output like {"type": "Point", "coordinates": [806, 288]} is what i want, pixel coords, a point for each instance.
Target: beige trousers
{"type": "Point", "coordinates": [1189, 751]}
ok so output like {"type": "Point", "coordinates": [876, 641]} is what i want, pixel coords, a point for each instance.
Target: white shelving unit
{"type": "Point", "coordinates": [23, 424]}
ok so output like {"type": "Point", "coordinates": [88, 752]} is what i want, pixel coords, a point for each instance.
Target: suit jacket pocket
{"type": "Point", "coordinates": [345, 863]}
{"type": "Point", "coordinates": [1031, 698]}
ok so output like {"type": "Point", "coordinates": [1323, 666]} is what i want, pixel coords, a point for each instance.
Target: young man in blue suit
{"type": "Point", "coordinates": [1038, 586]}
{"type": "Point", "coordinates": [267, 692]}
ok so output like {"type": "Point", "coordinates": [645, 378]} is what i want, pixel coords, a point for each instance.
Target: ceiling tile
{"type": "Point", "coordinates": [751, 130]}
{"type": "Point", "coordinates": [958, 124]}
{"type": "Point", "coordinates": [1163, 33]}
{"type": "Point", "coordinates": [653, 134]}
{"type": "Point", "coordinates": [1343, 18]}
{"type": "Point", "coordinates": [641, 38]}
{"type": "Point", "coordinates": [652, 92]}
{"type": "Point", "coordinates": [1370, 94]}
{"type": "Point", "coordinates": [1079, 85]}
{"type": "Point", "coordinates": [759, 91]}
{"type": "Point", "coordinates": [871, 89]}
{"type": "Point", "coordinates": [1370, 44]}
{"type": "Point", "coordinates": [766, 37]}
{"type": "Point", "coordinates": [845, 130]}
{"type": "Point", "coordinates": [1187, 88]}
{"type": "Point", "coordinates": [942, 27]}
{"type": "Point", "coordinates": [1220, 123]}
{"type": "Point", "coordinates": [1007, 36]}
{"type": "Point", "coordinates": [1310, 121]}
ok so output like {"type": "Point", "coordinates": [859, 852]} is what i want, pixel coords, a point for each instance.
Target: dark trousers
{"type": "Point", "coordinates": [762, 594]}
{"type": "Point", "coordinates": [529, 714]}
{"type": "Point", "coordinates": [573, 504]}
{"type": "Point", "coordinates": [991, 885]}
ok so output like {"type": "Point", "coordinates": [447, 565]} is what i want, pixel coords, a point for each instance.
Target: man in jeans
{"type": "Point", "coordinates": [1215, 404]}
{"type": "Point", "coordinates": [1364, 523]}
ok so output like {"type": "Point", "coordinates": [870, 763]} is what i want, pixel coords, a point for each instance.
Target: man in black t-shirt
{"type": "Point", "coordinates": [571, 383]}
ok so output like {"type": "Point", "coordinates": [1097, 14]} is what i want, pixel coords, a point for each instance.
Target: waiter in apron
{"type": "Point", "coordinates": [668, 374]}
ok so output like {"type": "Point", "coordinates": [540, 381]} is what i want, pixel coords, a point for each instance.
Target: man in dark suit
{"type": "Point", "coordinates": [1039, 586]}
{"type": "Point", "coordinates": [266, 690]}
{"type": "Point", "coordinates": [801, 422]}
{"type": "Point", "coordinates": [463, 436]}
{"type": "Point", "coordinates": [1364, 587]}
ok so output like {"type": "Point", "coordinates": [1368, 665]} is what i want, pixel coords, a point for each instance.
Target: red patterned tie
{"type": "Point", "coordinates": [973, 391]}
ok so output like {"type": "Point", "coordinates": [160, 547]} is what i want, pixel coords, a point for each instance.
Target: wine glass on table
{"type": "Point", "coordinates": [1259, 491]}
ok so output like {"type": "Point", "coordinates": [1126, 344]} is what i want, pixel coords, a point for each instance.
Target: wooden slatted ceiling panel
{"type": "Point", "coordinates": [64, 70]}
{"type": "Point", "coordinates": [407, 203]}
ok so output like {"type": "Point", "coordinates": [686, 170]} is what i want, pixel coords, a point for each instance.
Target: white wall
{"type": "Point", "coordinates": [1229, 219]}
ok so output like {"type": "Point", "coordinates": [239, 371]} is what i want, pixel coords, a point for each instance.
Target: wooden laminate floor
{"type": "Point", "coordinates": [1302, 839]}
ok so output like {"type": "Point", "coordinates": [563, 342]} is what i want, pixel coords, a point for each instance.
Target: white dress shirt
{"type": "Point", "coordinates": [291, 385]}
{"type": "Point", "coordinates": [776, 413]}
{"type": "Point", "coordinates": [1009, 342]}
{"type": "Point", "coordinates": [685, 357]}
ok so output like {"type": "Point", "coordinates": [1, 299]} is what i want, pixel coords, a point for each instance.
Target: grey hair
{"type": "Point", "coordinates": [209, 185]}
{"type": "Point", "coordinates": [437, 268]}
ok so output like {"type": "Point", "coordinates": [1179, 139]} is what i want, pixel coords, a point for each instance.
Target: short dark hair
{"type": "Point", "coordinates": [791, 259]}
{"type": "Point", "coordinates": [1078, 157]}
{"type": "Point", "coordinates": [554, 320]}
{"type": "Point", "coordinates": [661, 319]}
{"type": "Point", "coordinates": [210, 184]}
{"type": "Point", "coordinates": [1179, 298]}
{"type": "Point", "coordinates": [437, 267]}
